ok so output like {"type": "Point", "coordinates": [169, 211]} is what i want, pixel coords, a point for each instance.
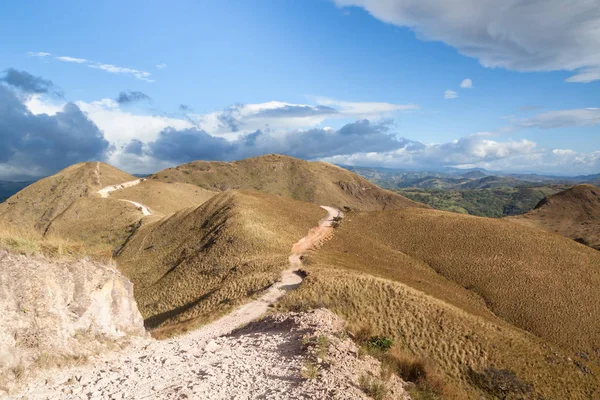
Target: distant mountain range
{"type": "Point", "coordinates": [454, 178]}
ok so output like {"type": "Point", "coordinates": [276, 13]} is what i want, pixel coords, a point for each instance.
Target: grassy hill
{"type": "Point", "coordinates": [40, 203]}
{"type": "Point", "coordinates": [164, 198]}
{"type": "Point", "coordinates": [574, 213]}
{"type": "Point", "coordinates": [313, 182]}
{"type": "Point", "coordinates": [202, 261]}
{"type": "Point", "coordinates": [474, 295]}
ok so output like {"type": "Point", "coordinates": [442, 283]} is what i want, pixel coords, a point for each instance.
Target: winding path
{"type": "Point", "coordinates": [106, 191]}
{"type": "Point", "coordinates": [199, 363]}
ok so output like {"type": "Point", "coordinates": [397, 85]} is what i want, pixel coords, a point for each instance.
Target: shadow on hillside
{"type": "Point", "coordinates": [156, 320]}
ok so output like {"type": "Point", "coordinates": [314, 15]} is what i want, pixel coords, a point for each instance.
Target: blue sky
{"type": "Point", "coordinates": [301, 78]}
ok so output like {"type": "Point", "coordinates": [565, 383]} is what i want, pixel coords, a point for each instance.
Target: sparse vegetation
{"type": "Point", "coordinates": [500, 383]}
{"type": "Point", "coordinates": [372, 387]}
{"type": "Point", "coordinates": [310, 370]}
{"type": "Point", "coordinates": [451, 339]}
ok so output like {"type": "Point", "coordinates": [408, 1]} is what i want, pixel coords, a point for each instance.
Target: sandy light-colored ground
{"type": "Point", "coordinates": [272, 358]}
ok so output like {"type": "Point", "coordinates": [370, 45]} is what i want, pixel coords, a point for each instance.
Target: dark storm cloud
{"type": "Point", "coordinates": [189, 145]}
{"type": "Point", "coordinates": [134, 96]}
{"type": "Point", "coordinates": [193, 144]}
{"type": "Point", "coordinates": [43, 142]}
{"type": "Point", "coordinates": [134, 147]}
{"type": "Point", "coordinates": [28, 83]}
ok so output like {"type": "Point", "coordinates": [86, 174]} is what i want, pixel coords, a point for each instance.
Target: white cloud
{"type": "Point", "coordinates": [450, 94]}
{"type": "Point", "coordinates": [37, 54]}
{"type": "Point", "coordinates": [365, 108]}
{"type": "Point", "coordinates": [121, 127]}
{"type": "Point", "coordinates": [113, 69]}
{"type": "Point", "coordinates": [72, 59]}
{"type": "Point", "coordinates": [161, 66]}
{"type": "Point", "coordinates": [521, 35]}
{"type": "Point", "coordinates": [466, 83]}
{"type": "Point", "coordinates": [585, 75]}
{"type": "Point", "coordinates": [562, 118]}
{"type": "Point", "coordinates": [278, 116]}
{"type": "Point", "coordinates": [475, 151]}
{"type": "Point", "coordinates": [37, 105]}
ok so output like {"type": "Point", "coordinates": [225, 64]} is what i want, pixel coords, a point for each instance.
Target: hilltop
{"type": "Point", "coordinates": [574, 213]}
{"type": "Point", "coordinates": [314, 182]}
{"type": "Point", "coordinates": [40, 203]}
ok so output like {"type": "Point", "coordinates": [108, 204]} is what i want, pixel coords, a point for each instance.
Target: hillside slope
{"type": "Point", "coordinates": [164, 198]}
{"type": "Point", "coordinates": [313, 182]}
{"type": "Point", "coordinates": [574, 213]}
{"type": "Point", "coordinates": [461, 290]}
{"type": "Point", "coordinates": [201, 261]}
{"type": "Point", "coordinates": [40, 203]}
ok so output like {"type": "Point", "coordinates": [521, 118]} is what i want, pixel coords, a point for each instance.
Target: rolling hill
{"type": "Point", "coordinates": [201, 261]}
{"type": "Point", "coordinates": [574, 213]}
{"type": "Point", "coordinates": [313, 182]}
{"type": "Point", "coordinates": [40, 203]}
{"type": "Point", "coordinates": [468, 293]}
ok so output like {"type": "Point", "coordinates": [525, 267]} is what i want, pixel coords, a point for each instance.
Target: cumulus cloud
{"type": "Point", "coordinates": [42, 144]}
{"type": "Point", "coordinates": [129, 96]}
{"type": "Point", "coordinates": [522, 35]}
{"type": "Point", "coordinates": [473, 149]}
{"type": "Point", "coordinates": [28, 83]}
{"type": "Point", "coordinates": [186, 145]}
{"type": "Point", "coordinates": [466, 83]}
{"type": "Point", "coordinates": [273, 116]}
{"type": "Point", "coordinates": [562, 119]}
{"type": "Point", "coordinates": [450, 94]}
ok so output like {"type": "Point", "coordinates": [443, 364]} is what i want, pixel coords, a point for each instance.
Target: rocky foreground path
{"type": "Point", "coordinates": [287, 356]}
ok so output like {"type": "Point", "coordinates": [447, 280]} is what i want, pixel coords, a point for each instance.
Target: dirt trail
{"type": "Point", "coordinates": [202, 364]}
{"type": "Point", "coordinates": [106, 191]}
{"type": "Point", "coordinates": [290, 280]}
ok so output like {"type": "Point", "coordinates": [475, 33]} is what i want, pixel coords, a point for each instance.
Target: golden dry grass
{"type": "Point", "coordinates": [28, 241]}
{"type": "Point", "coordinates": [314, 182]}
{"type": "Point", "coordinates": [454, 341]}
{"type": "Point", "coordinates": [94, 220]}
{"type": "Point", "coordinates": [574, 213]}
{"type": "Point", "coordinates": [200, 262]}
{"type": "Point", "coordinates": [40, 203]}
{"type": "Point", "coordinates": [164, 198]}
{"type": "Point", "coordinates": [538, 281]}
{"type": "Point", "coordinates": [444, 285]}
